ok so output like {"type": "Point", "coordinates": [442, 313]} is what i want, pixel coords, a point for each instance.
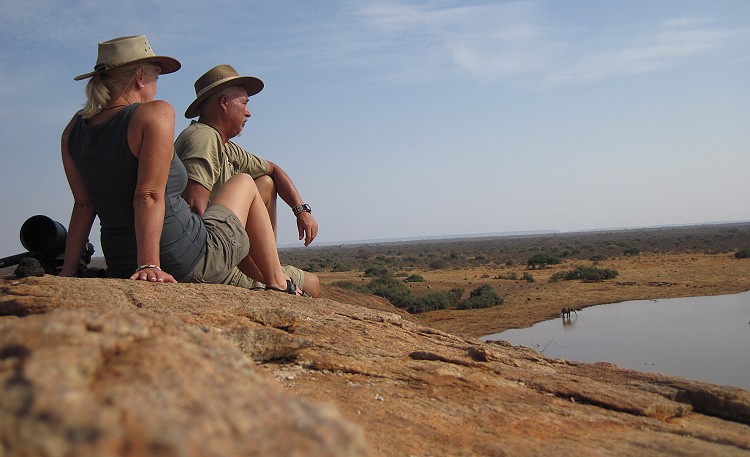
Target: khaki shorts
{"type": "Point", "coordinates": [226, 245]}
{"type": "Point", "coordinates": [241, 280]}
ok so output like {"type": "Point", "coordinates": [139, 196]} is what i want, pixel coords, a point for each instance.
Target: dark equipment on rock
{"type": "Point", "coordinates": [44, 238]}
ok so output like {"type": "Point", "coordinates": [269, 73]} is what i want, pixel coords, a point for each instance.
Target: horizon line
{"type": "Point", "coordinates": [505, 234]}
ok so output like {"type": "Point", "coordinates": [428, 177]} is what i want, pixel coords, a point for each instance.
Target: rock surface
{"type": "Point", "coordinates": [103, 367]}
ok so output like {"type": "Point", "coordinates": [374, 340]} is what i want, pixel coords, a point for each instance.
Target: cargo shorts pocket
{"type": "Point", "coordinates": [226, 245]}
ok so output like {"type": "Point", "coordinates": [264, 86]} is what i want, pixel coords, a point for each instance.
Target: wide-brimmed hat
{"type": "Point", "coordinates": [217, 78]}
{"type": "Point", "coordinates": [128, 50]}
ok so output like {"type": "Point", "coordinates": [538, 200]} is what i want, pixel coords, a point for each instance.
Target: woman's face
{"type": "Point", "coordinates": [149, 79]}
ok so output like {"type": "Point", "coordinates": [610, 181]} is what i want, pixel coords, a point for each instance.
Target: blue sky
{"type": "Point", "coordinates": [405, 119]}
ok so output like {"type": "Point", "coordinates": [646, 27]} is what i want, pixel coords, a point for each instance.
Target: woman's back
{"type": "Point", "coordinates": [109, 171]}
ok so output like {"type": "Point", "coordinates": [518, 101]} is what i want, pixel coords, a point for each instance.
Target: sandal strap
{"type": "Point", "coordinates": [291, 287]}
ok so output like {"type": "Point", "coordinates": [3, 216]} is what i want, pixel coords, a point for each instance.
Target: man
{"type": "Point", "coordinates": [211, 158]}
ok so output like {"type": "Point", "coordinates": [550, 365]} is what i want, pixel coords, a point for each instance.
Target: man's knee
{"type": "Point", "coordinates": [266, 188]}
{"type": "Point", "coordinates": [312, 284]}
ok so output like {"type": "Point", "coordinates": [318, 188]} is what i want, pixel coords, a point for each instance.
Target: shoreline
{"type": "Point", "coordinates": [647, 276]}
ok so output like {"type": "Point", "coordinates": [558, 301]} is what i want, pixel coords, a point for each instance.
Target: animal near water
{"type": "Point", "coordinates": [565, 313]}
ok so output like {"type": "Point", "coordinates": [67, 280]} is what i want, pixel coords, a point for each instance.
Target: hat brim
{"type": "Point", "coordinates": [166, 64]}
{"type": "Point", "coordinates": [251, 83]}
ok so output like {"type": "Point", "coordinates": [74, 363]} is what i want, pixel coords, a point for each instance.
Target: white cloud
{"type": "Point", "coordinates": [438, 39]}
{"type": "Point", "coordinates": [520, 42]}
{"type": "Point", "coordinates": [669, 44]}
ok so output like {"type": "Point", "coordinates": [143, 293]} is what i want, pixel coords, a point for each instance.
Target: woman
{"type": "Point", "coordinates": [119, 159]}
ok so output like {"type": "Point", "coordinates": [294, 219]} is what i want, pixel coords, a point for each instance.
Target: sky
{"type": "Point", "coordinates": [407, 119]}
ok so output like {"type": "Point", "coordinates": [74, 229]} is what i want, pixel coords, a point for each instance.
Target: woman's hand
{"type": "Point", "coordinates": [153, 274]}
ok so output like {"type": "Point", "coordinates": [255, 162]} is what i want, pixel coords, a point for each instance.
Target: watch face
{"type": "Point", "coordinates": [302, 208]}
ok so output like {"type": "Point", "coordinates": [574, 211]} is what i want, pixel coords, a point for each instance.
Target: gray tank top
{"type": "Point", "coordinates": [109, 172]}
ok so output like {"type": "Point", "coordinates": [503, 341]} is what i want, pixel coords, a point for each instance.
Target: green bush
{"type": "Point", "coordinates": [631, 251]}
{"type": "Point", "coordinates": [527, 277]}
{"type": "Point", "coordinates": [377, 270]}
{"type": "Point", "coordinates": [541, 260]}
{"type": "Point", "coordinates": [390, 288]}
{"type": "Point", "coordinates": [313, 267]}
{"type": "Point", "coordinates": [437, 264]}
{"type": "Point", "coordinates": [512, 276]}
{"type": "Point", "coordinates": [341, 267]}
{"type": "Point", "coordinates": [414, 278]}
{"type": "Point", "coordinates": [483, 296]}
{"type": "Point", "coordinates": [350, 286]}
{"type": "Point", "coordinates": [742, 254]}
{"type": "Point", "coordinates": [585, 273]}
{"type": "Point", "coordinates": [435, 300]}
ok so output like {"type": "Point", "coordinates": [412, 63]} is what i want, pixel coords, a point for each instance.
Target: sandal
{"type": "Point", "coordinates": [291, 288]}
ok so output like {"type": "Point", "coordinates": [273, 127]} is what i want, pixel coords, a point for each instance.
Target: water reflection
{"type": "Point", "coordinates": [703, 338]}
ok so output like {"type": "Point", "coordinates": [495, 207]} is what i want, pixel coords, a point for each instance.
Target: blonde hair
{"type": "Point", "coordinates": [101, 87]}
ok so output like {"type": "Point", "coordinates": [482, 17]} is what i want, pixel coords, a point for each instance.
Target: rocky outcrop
{"type": "Point", "coordinates": [103, 367]}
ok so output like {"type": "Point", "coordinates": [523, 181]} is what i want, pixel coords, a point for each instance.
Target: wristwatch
{"type": "Point", "coordinates": [303, 208]}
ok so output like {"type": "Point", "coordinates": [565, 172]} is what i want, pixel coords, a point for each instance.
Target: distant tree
{"type": "Point", "coordinates": [631, 251]}
{"type": "Point", "coordinates": [377, 270]}
{"type": "Point", "coordinates": [350, 286]}
{"type": "Point", "coordinates": [742, 254]}
{"type": "Point", "coordinates": [390, 288]}
{"type": "Point", "coordinates": [414, 278]}
{"type": "Point", "coordinates": [434, 300]}
{"type": "Point", "coordinates": [512, 276]}
{"type": "Point", "coordinates": [313, 267]}
{"type": "Point", "coordinates": [585, 273]}
{"type": "Point", "coordinates": [541, 260]}
{"type": "Point", "coordinates": [483, 296]}
{"type": "Point", "coordinates": [437, 264]}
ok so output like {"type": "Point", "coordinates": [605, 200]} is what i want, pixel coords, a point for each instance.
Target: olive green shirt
{"type": "Point", "coordinates": [210, 162]}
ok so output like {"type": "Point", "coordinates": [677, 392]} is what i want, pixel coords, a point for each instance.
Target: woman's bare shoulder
{"type": "Point", "coordinates": [155, 107]}
{"type": "Point", "coordinates": [154, 113]}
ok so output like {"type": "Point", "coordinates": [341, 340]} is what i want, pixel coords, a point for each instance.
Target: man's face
{"type": "Point", "coordinates": [237, 110]}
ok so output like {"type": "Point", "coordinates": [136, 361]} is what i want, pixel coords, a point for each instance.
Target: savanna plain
{"type": "Point", "coordinates": [647, 263]}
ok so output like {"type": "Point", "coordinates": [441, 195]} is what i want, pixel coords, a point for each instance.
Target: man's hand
{"type": "Point", "coordinates": [307, 227]}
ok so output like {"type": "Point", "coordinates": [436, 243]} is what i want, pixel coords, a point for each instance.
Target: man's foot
{"type": "Point", "coordinates": [291, 288]}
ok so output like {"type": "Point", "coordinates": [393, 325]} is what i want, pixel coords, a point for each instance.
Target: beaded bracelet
{"type": "Point", "coordinates": [143, 267]}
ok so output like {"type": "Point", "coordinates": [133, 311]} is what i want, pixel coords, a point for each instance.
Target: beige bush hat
{"type": "Point", "coordinates": [126, 50]}
{"type": "Point", "coordinates": [217, 78]}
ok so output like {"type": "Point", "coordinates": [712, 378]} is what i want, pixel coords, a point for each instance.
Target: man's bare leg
{"type": "Point", "coordinates": [240, 195]}
{"type": "Point", "coordinates": [267, 191]}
